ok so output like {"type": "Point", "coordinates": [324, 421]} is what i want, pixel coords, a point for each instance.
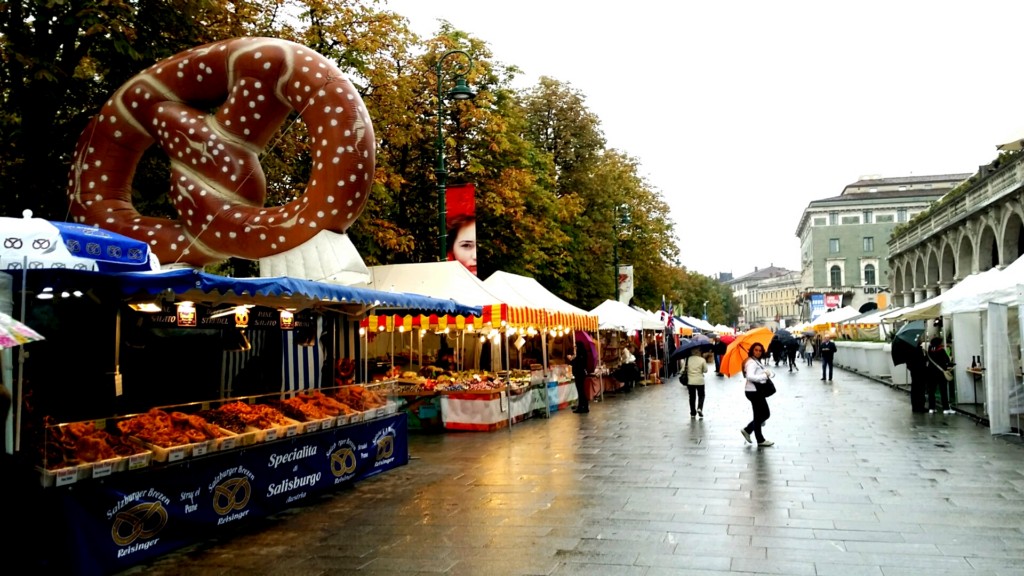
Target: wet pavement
{"type": "Point", "coordinates": [855, 485]}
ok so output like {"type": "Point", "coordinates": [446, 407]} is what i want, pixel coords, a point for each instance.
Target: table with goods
{"type": "Point", "coordinates": [131, 488]}
{"type": "Point", "coordinates": [480, 400]}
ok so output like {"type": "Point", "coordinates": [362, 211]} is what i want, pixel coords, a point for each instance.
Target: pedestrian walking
{"type": "Point", "coordinates": [755, 372]}
{"type": "Point", "coordinates": [939, 363]}
{"type": "Point", "coordinates": [809, 350]}
{"type": "Point", "coordinates": [695, 367]}
{"type": "Point", "coordinates": [792, 347]}
{"type": "Point", "coordinates": [827, 351]}
{"type": "Point", "coordinates": [719, 349]}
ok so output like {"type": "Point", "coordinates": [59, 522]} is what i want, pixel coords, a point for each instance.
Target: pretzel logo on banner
{"type": "Point", "coordinates": [385, 442]}
{"type": "Point", "coordinates": [343, 460]}
{"type": "Point", "coordinates": [231, 495]}
{"type": "Point", "coordinates": [144, 520]}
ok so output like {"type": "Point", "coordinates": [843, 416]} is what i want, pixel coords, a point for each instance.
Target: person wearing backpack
{"type": "Point", "coordinates": [694, 368]}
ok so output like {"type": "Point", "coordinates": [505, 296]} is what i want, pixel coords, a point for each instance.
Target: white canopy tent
{"type": "Point", "coordinates": [614, 315]}
{"type": "Point", "coordinates": [938, 306]}
{"type": "Point", "coordinates": [834, 317]}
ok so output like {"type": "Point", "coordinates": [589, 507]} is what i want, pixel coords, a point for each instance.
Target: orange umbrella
{"type": "Point", "coordinates": [739, 349]}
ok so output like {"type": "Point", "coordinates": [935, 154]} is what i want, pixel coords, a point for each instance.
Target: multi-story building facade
{"type": "Point", "coordinates": [844, 239]}
{"type": "Point", "coordinates": [979, 227]}
{"type": "Point", "coordinates": [747, 290]}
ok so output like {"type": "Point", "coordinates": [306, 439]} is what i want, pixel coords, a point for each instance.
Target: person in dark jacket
{"type": "Point", "coordinates": [917, 365]}
{"type": "Point", "coordinates": [938, 362]}
{"type": "Point", "coordinates": [792, 347]}
{"type": "Point", "coordinates": [827, 350]}
{"type": "Point", "coordinates": [719, 349]}
{"type": "Point", "coordinates": [579, 375]}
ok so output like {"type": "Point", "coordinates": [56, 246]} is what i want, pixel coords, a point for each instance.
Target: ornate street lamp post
{"type": "Point", "coordinates": [706, 310]}
{"type": "Point", "coordinates": [461, 91]}
{"type": "Point", "coordinates": [620, 217]}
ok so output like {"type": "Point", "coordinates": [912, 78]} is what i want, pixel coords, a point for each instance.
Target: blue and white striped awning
{"type": "Point", "coordinates": [275, 292]}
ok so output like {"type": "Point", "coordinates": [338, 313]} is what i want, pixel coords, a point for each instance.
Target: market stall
{"type": "Point", "coordinates": [461, 372]}
{"type": "Point", "coordinates": [137, 450]}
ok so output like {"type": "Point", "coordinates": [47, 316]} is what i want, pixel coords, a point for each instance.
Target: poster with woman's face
{"type": "Point", "coordinates": [461, 219]}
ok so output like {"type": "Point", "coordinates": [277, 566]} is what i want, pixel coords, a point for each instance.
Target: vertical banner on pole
{"type": "Point", "coordinates": [460, 203]}
{"type": "Point", "coordinates": [625, 284]}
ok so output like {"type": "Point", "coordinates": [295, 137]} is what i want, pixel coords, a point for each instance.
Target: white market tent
{"type": "Point", "coordinates": [969, 287]}
{"type": "Point", "coordinates": [698, 323]}
{"type": "Point", "coordinates": [527, 292]}
{"type": "Point", "coordinates": [614, 315]}
{"type": "Point", "coordinates": [447, 280]}
{"type": "Point", "coordinates": [834, 317]}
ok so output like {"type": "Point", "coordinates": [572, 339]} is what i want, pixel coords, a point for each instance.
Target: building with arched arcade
{"type": "Point", "coordinates": [977, 226]}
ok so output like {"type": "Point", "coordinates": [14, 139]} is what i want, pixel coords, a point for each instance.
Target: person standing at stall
{"type": "Point", "coordinates": [938, 362]}
{"type": "Point", "coordinates": [579, 376]}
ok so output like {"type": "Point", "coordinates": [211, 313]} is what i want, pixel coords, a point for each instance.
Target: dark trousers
{"type": "Point", "coordinates": [583, 404]}
{"type": "Point", "coordinates": [826, 366]}
{"type": "Point", "coordinates": [761, 414]}
{"type": "Point", "coordinates": [937, 380]}
{"type": "Point", "coordinates": [718, 363]}
{"type": "Point", "coordinates": [917, 391]}
{"type": "Point", "coordinates": [696, 398]}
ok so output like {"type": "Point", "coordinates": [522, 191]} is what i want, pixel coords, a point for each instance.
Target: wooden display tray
{"type": "Point", "coordinates": [254, 435]}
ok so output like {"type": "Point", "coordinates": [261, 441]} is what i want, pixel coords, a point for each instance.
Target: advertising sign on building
{"type": "Point", "coordinates": [817, 305]}
{"type": "Point", "coordinates": [833, 301]}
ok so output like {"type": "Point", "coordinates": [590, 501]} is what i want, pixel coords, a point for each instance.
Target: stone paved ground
{"type": "Point", "coordinates": [856, 485]}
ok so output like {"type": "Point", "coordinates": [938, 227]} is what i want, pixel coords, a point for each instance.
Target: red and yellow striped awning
{"type": "Point", "coordinates": [496, 316]}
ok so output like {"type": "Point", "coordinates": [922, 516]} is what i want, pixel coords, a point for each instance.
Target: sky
{"type": "Point", "coordinates": [740, 113]}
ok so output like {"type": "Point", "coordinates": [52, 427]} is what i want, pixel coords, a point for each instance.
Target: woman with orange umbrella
{"type": "Point", "coordinates": [756, 373]}
{"type": "Point", "coordinates": [745, 353]}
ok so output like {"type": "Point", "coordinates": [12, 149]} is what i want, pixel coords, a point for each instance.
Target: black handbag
{"type": "Point", "coordinates": [684, 378]}
{"type": "Point", "coordinates": [766, 389]}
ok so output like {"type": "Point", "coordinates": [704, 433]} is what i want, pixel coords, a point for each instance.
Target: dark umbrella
{"type": "Point", "coordinates": [784, 336]}
{"type": "Point", "coordinates": [904, 342]}
{"type": "Point", "coordinates": [687, 344]}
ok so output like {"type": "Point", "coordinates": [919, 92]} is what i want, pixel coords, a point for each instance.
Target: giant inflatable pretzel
{"type": "Point", "coordinates": [213, 110]}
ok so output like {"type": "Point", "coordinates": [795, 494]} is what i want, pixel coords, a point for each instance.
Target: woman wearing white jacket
{"type": "Point", "coordinates": [755, 371]}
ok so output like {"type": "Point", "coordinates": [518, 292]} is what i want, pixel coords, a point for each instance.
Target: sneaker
{"type": "Point", "coordinates": [944, 411]}
{"type": "Point", "coordinates": [746, 435]}
{"type": "Point", "coordinates": [931, 411]}
{"type": "Point", "coordinates": [822, 379]}
{"type": "Point", "coordinates": [700, 414]}
{"type": "Point", "coordinates": [693, 414]}
{"type": "Point", "coordinates": [765, 444]}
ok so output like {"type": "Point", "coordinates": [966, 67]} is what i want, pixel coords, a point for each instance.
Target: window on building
{"type": "Point", "coordinates": [885, 218]}
{"type": "Point", "coordinates": [833, 218]}
{"type": "Point", "coordinates": [851, 219]}
{"type": "Point", "coordinates": [868, 216]}
{"type": "Point", "coordinates": [833, 245]}
{"type": "Point", "coordinates": [901, 214]}
{"type": "Point", "coordinates": [836, 276]}
{"type": "Point", "coordinates": [869, 275]}
{"type": "Point", "coordinates": [819, 221]}
{"type": "Point", "coordinates": [869, 244]}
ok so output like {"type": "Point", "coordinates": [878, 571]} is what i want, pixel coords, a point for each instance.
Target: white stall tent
{"type": "Point", "coordinates": [614, 315]}
{"type": "Point", "coordinates": [966, 290]}
{"type": "Point", "coordinates": [835, 316]}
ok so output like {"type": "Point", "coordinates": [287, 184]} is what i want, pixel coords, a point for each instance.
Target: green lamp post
{"type": "Point", "coordinates": [460, 91]}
